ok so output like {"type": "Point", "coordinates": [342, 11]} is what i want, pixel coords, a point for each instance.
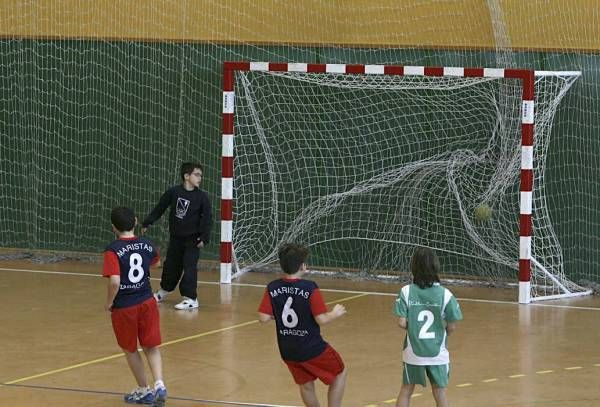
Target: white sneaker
{"type": "Point", "coordinates": [187, 303]}
{"type": "Point", "coordinates": [160, 295]}
{"type": "Point", "coordinates": [160, 397]}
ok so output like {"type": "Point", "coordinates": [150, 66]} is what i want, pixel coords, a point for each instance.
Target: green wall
{"type": "Point", "coordinates": [87, 125]}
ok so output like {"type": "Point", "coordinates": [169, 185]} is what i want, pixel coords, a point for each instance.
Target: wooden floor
{"type": "Point", "coordinates": [58, 348]}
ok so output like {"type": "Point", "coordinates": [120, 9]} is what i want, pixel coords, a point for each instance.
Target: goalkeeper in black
{"type": "Point", "coordinates": [190, 221]}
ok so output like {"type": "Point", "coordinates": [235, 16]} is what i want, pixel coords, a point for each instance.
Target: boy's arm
{"type": "Point", "coordinates": [453, 313]}
{"type": "Point", "coordinates": [264, 317]}
{"type": "Point", "coordinates": [401, 307]}
{"type": "Point", "coordinates": [265, 309]}
{"type": "Point", "coordinates": [114, 282]}
{"type": "Point", "coordinates": [325, 318]}
{"type": "Point", "coordinates": [157, 212]}
{"type": "Point", "coordinates": [155, 259]}
{"type": "Point", "coordinates": [111, 270]}
{"type": "Point", "coordinates": [205, 224]}
{"type": "Point", "coordinates": [319, 309]}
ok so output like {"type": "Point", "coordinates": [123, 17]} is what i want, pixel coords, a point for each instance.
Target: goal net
{"type": "Point", "coordinates": [364, 167]}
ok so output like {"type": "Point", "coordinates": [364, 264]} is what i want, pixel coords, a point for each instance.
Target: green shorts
{"type": "Point", "coordinates": [414, 374]}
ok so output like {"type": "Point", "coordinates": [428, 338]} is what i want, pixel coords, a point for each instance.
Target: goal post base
{"type": "Point", "coordinates": [562, 296]}
{"type": "Point", "coordinates": [524, 292]}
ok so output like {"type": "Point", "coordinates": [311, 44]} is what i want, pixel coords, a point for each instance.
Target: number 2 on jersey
{"type": "Point", "coordinates": [289, 316]}
{"type": "Point", "coordinates": [428, 317]}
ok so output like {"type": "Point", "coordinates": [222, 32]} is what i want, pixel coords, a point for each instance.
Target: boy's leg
{"type": "Point", "coordinates": [173, 265]}
{"type": "Point", "coordinates": [155, 363]}
{"type": "Point", "coordinates": [438, 376]}
{"type": "Point", "coordinates": [149, 337]}
{"type": "Point", "coordinates": [327, 367]}
{"type": "Point", "coordinates": [336, 390]}
{"type": "Point", "coordinates": [136, 364]}
{"type": "Point", "coordinates": [125, 324]}
{"type": "Point", "coordinates": [309, 397]}
{"type": "Point", "coordinates": [189, 282]}
{"type": "Point", "coordinates": [411, 376]}
{"type": "Point", "coordinates": [439, 394]}
{"type": "Point", "coordinates": [406, 392]}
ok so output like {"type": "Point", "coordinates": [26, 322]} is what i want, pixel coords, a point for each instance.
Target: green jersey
{"type": "Point", "coordinates": [426, 311]}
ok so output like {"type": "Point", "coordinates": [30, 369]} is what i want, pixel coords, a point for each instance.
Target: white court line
{"type": "Point", "coordinates": [262, 286]}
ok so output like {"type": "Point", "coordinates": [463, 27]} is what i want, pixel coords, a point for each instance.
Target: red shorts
{"type": "Point", "coordinates": [138, 321]}
{"type": "Point", "coordinates": [324, 367]}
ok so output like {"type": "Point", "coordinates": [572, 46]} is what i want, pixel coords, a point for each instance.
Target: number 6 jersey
{"type": "Point", "coordinates": [294, 303]}
{"type": "Point", "coordinates": [131, 259]}
{"type": "Point", "coordinates": [425, 311]}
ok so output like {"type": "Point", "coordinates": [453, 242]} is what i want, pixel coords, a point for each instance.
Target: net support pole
{"type": "Point", "coordinates": [526, 187]}
{"type": "Point", "coordinates": [226, 249]}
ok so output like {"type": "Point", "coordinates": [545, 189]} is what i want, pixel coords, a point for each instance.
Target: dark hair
{"type": "Point", "coordinates": [291, 257]}
{"type": "Point", "coordinates": [188, 168]}
{"type": "Point", "coordinates": [122, 218]}
{"type": "Point", "coordinates": [425, 267]}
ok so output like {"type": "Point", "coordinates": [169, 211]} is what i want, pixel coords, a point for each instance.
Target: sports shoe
{"type": "Point", "coordinates": [160, 397]}
{"type": "Point", "coordinates": [187, 303]}
{"type": "Point", "coordinates": [141, 395]}
{"type": "Point", "coordinates": [160, 295]}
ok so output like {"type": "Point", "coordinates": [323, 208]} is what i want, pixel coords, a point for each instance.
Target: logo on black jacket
{"type": "Point", "coordinates": [181, 208]}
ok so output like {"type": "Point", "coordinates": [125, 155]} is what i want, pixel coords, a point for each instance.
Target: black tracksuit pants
{"type": "Point", "coordinates": [182, 258]}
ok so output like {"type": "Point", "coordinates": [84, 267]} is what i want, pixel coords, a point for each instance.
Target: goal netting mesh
{"type": "Point", "coordinates": [363, 168]}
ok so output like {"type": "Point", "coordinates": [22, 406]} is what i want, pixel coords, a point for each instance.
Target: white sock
{"type": "Point", "coordinates": [159, 384]}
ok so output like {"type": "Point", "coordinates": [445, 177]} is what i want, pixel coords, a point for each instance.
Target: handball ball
{"type": "Point", "coordinates": [482, 212]}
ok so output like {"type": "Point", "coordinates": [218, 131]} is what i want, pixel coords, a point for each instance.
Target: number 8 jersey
{"type": "Point", "coordinates": [294, 303]}
{"type": "Point", "coordinates": [426, 311]}
{"type": "Point", "coordinates": [130, 258]}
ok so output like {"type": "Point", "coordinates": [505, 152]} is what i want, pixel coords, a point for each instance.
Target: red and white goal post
{"type": "Point", "coordinates": [526, 80]}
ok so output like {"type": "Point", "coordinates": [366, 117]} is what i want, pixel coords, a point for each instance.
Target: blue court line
{"type": "Point", "coordinates": [113, 393]}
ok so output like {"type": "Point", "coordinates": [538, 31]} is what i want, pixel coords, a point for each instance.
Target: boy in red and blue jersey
{"type": "Point", "coordinates": [298, 309]}
{"type": "Point", "coordinates": [133, 309]}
